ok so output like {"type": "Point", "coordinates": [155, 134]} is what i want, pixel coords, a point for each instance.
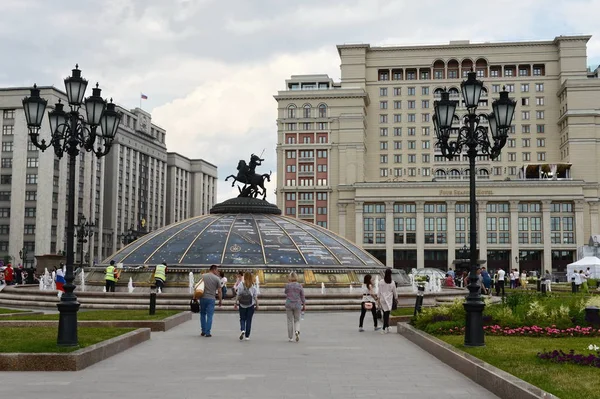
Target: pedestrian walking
{"type": "Point", "coordinates": [368, 303]}
{"type": "Point", "coordinates": [9, 275]}
{"type": "Point", "coordinates": [500, 287]}
{"type": "Point", "coordinates": [388, 298]}
{"type": "Point", "coordinates": [239, 277]}
{"type": "Point", "coordinates": [212, 291]}
{"type": "Point", "coordinates": [223, 284]}
{"type": "Point", "coordinates": [295, 303]}
{"type": "Point", "coordinates": [247, 301]}
{"type": "Point", "coordinates": [548, 281]}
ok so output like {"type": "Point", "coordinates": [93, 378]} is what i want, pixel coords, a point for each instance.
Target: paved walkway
{"type": "Point", "coordinates": [332, 360]}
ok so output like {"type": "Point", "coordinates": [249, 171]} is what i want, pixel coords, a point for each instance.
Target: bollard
{"type": "Point", "coordinates": [152, 309]}
{"type": "Point", "coordinates": [543, 287]}
{"type": "Point", "coordinates": [592, 316]}
{"type": "Point", "coordinates": [419, 301]}
{"type": "Point", "coordinates": [539, 285]}
{"type": "Point", "coordinates": [573, 286]}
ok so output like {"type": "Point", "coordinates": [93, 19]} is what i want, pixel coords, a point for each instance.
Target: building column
{"type": "Point", "coordinates": [420, 205]}
{"type": "Point", "coordinates": [389, 234]}
{"type": "Point", "coordinates": [482, 229]}
{"type": "Point", "coordinates": [514, 234]}
{"type": "Point", "coordinates": [358, 228]}
{"type": "Point", "coordinates": [451, 227]}
{"type": "Point", "coordinates": [594, 222]}
{"type": "Point", "coordinates": [580, 240]}
{"type": "Point", "coordinates": [342, 219]}
{"type": "Point", "coordinates": [547, 265]}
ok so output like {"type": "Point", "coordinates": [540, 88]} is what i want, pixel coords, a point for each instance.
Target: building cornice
{"type": "Point", "coordinates": [481, 184]}
{"type": "Point", "coordinates": [299, 95]}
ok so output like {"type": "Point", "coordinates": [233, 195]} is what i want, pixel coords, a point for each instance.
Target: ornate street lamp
{"type": "Point", "coordinates": [71, 133]}
{"type": "Point", "coordinates": [129, 236]}
{"type": "Point", "coordinates": [84, 231]}
{"type": "Point", "coordinates": [477, 139]}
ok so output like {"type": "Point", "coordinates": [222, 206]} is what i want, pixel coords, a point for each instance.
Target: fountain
{"type": "Point", "coordinates": [257, 285]}
{"type": "Point", "coordinates": [322, 288]}
{"type": "Point", "coordinates": [53, 281]}
{"type": "Point", "coordinates": [130, 285]}
{"type": "Point", "coordinates": [191, 282]}
{"type": "Point", "coordinates": [377, 284]}
{"type": "Point", "coordinates": [351, 288]}
{"type": "Point", "coordinates": [82, 280]}
{"type": "Point", "coordinates": [41, 283]}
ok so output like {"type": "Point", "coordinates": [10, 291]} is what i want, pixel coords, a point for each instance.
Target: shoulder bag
{"type": "Point", "coordinates": [199, 289]}
{"type": "Point", "coordinates": [194, 306]}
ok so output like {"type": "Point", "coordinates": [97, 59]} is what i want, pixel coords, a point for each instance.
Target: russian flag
{"type": "Point", "coordinates": [144, 97]}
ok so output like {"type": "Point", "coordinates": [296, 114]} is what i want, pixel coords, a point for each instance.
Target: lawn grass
{"type": "Point", "coordinates": [106, 315]}
{"type": "Point", "coordinates": [8, 311]}
{"type": "Point", "coordinates": [43, 339]}
{"type": "Point", "coordinates": [403, 312]}
{"type": "Point", "coordinates": [517, 356]}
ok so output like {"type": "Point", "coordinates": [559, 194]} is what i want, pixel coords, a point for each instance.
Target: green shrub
{"type": "Point", "coordinates": [434, 328]}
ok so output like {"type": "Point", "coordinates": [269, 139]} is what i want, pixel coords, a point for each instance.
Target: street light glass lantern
{"type": "Point", "coordinates": [75, 87]}
{"type": "Point", "coordinates": [58, 119]}
{"type": "Point", "coordinates": [94, 106]}
{"type": "Point", "coordinates": [444, 111]}
{"type": "Point", "coordinates": [109, 122]}
{"type": "Point", "coordinates": [34, 107]}
{"type": "Point", "coordinates": [504, 109]}
{"type": "Point", "coordinates": [471, 90]}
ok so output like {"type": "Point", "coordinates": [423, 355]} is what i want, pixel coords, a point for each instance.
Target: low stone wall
{"type": "Point", "coordinates": [9, 315]}
{"type": "Point", "coordinates": [73, 361]}
{"type": "Point", "coordinates": [497, 381]}
{"type": "Point", "coordinates": [153, 325]}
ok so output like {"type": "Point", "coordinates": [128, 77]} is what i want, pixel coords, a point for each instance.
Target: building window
{"type": "Point", "coordinates": [323, 109]}
{"type": "Point", "coordinates": [397, 118]}
{"type": "Point", "coordinates": [539, 114]}
{"type": "Point", "coordinates": [383, 118]}
{"type": "Point", "coordinates": [4, 195]}
{"type": "Point", "coordinates": [8, 130]}
{"type": "Point", "coordinates": [540, 128]}
{"type": "Point", "coordinates": [525, 115]}
{"type": "Point", "coordinates": [525, 101]}
{"type": "Point", "coordinates": [525, 87]}
{"type": "Point", "coordinates": [383, 91]}
{"type": "Point", "coordinates": [383, 158]}
{"type": "Point", "coordinates": [383, 172]}
{"type": "Point", "coordinates": [29, 229]}
{"type": "Point", "coordinates": [31, 178]}
{"type": "Point", "coordinates": [6, 162]}
{"type": "Point", "coordinates": [525, 142]}
{"type": "Point", "coordinates": [8, 114]}
{"type": "Point", "coordinates": [539, 101]}
{"type": "Point", "coordinates": [539, 87]}
{"type": "Point", "coordinates": [541, 142]}
{"type": "Point", "coordinates": [383, 104]}
{"type": "Point", "coordinates": [31, 195]}
{"type": "Point", "coordinates": [291, 111]}
{"type": "Point", "coordinates": [7, 146]}
{"type": "Point", "coordinates": [397, 91]}
{"type": "Point", "coordinates": [32, 162]}
{"type": "Point", "coordinates": [541, 156]}
{"type": "Point", "coordinates": [411, 91]}
{"type": "Point", "coordinates": [383, 131]}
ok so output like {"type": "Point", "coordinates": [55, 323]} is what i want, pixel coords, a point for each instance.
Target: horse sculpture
{"type": "Point", "coordinates": [254, 183]}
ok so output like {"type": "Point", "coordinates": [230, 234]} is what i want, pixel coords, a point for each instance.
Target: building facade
{"type": "Point", "coordinates": [191, 187]}
{"type": "Point", "coordinates": [127, 189]}
{"type": "Point", "coordinates": [359, 156]}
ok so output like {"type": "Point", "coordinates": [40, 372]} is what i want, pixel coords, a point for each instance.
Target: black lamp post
{"type": "Point", "coordinates": [475, 138]}
{"type": "Point", "coordinates": [129, 236]}
{"type": "Point", "coordinates": [84, 231]}
{"type": "Point", "coordinates": [71, 133]}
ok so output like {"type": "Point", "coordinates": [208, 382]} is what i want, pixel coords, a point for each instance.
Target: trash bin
{"type": "Point", "coordinates": [539, 283]}
{"type": "Point", "coordinates": [543, 287]}
{"type": "Point", "coordinates": [592, 315]}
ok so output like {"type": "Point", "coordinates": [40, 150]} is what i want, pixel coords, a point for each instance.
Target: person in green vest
{"type": "Point", "coordinates": [111, 277]}
{"type": "Point", "coordinates": [160, 276]}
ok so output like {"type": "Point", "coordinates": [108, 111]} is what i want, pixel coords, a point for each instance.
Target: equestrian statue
{"type": "Point", "coordinates": [254, 183]}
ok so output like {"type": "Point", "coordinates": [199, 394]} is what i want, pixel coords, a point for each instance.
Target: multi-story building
{"type": "Point", "coordinates": [125, 189]}
{"type": "Point", "coordinates": [360, 156]}
{"type": "Point", "coordinates": [191, 187]}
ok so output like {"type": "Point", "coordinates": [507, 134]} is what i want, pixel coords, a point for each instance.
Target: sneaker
{"type": "Point", "coordinates": [389, 330]}
{"type": "Point", "coordinates": [208, 335]}
{"type": "Point", "coordinates": [291, 339]}
{"type": "Point", "coordinates": [297, 336]}
{"type": "Point", "coordinates": [242, 335]}
{"type": "Point", "coordinates": [384, 331]}
{"type": "Point", "coordinates": [202, 334]}
{"type": "Point", "coordinates": [377, 328]}
{"type": "Point", "coordinates": [247, 339]}
{"type": "Point", "coordinates": [360, 329]}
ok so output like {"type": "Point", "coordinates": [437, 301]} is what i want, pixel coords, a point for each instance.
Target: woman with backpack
{"type": "Point", "coordinates": [247, 301]}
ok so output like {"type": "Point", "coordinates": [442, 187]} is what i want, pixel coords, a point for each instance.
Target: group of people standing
{"type": "Point", "coordinates": [246, 302]}
{"type": "Point", "coordinates": [385, 300]}
{"type": "Point", "coordinates": [580, 278]}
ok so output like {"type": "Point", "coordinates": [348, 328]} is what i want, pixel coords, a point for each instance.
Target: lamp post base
{"type": "Point", "coordinates": [67, 323]}
{"type": "Point", "coordinates": [474, 323]}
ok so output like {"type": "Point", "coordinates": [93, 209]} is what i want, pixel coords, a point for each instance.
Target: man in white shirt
{"type": "Point", "coordinates": [576, 278]}
{"type": "Point", "coordinates": [501, 273]}
{"type": "Point", "coordinates": [513, 279]}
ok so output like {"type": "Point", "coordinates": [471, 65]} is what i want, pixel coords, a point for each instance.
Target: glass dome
{"type": "Point", "coordinates": [248, 239]}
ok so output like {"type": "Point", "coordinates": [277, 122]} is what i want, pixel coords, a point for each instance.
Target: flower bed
{"type": "Point", "coordinates": [528, 331]}
{"type": "Point", "coordinates": [558, 356]}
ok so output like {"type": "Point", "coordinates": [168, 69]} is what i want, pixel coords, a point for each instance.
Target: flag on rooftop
{"type": "Point", "coordinates": [144, 97]}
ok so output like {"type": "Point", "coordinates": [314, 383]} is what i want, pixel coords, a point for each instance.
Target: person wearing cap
{"type": "Point", "coordinates": [110, 277]}
{"type": "Point", "coordinates": [160, 276]}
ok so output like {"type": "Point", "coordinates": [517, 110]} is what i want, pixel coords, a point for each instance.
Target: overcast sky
{"type": "Point", "coordinates": [210, 68]}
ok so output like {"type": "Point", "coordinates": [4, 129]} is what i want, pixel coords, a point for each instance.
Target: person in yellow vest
{"type": "Point", "coordinates": [160, 276]}
{"type": "Point", "coordinates": [111, 277]}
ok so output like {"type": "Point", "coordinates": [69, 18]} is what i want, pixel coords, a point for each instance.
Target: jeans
{"type": "Point", "coordinates": [386, 319]}
{"type": "Point", "coordinates": [293, 321]}
{"type": "Point", "coordinates": [224, 291]}
{"type": "Point", "coordinates": [363, 312]}
{"type": "Point", "coordinates": [110, 285]}
{"type": "Point", "coordinates": [246, 319]}
{"type": "Point", "coordinates": [207, 310]}
{"type": "Point", "coordinates": [500, 288]}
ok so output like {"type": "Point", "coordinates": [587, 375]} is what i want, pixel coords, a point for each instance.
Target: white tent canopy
{"type": "Point", "coordinates": [582, 264]}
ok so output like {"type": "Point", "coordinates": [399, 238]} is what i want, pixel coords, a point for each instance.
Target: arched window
{"type": "Point", "coordinates": [440, 173]}
{"type": "Point", "coordinates": [291, 111]}
{"type": "Point", "coordinates": [322, 111]}
{"type": "Point", "coordinates": [454, 174]}
{"type": "Point", "coordinates": [307, 109]}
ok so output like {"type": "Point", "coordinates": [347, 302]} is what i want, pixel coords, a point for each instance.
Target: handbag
{"type": "Point", "coordinates": [379, 314]}
{"type": "Point", "coordinates": [368, 305]}
{"type": "Point", "coordinates": [194, 306]}
{"type": "Point", "coordinates": [394, 303]}
{"type": "Point", "coordinates": [199, 289]}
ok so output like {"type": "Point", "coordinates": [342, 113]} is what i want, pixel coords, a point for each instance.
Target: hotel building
{"type": "Point", "coordinates": [128, 188]}
{"type": "Point", "coordinates": [359, 156]}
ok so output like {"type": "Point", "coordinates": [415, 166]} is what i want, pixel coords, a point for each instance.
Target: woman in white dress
{"type": "Point", "coordinates": [387, 296]}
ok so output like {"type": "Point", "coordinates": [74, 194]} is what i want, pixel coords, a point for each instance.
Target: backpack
{"type": "Point", "coordinates": [244, 296]}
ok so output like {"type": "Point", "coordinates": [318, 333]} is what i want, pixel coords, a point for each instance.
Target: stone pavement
{"type": "Point", "coordinates": [332, 360]}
